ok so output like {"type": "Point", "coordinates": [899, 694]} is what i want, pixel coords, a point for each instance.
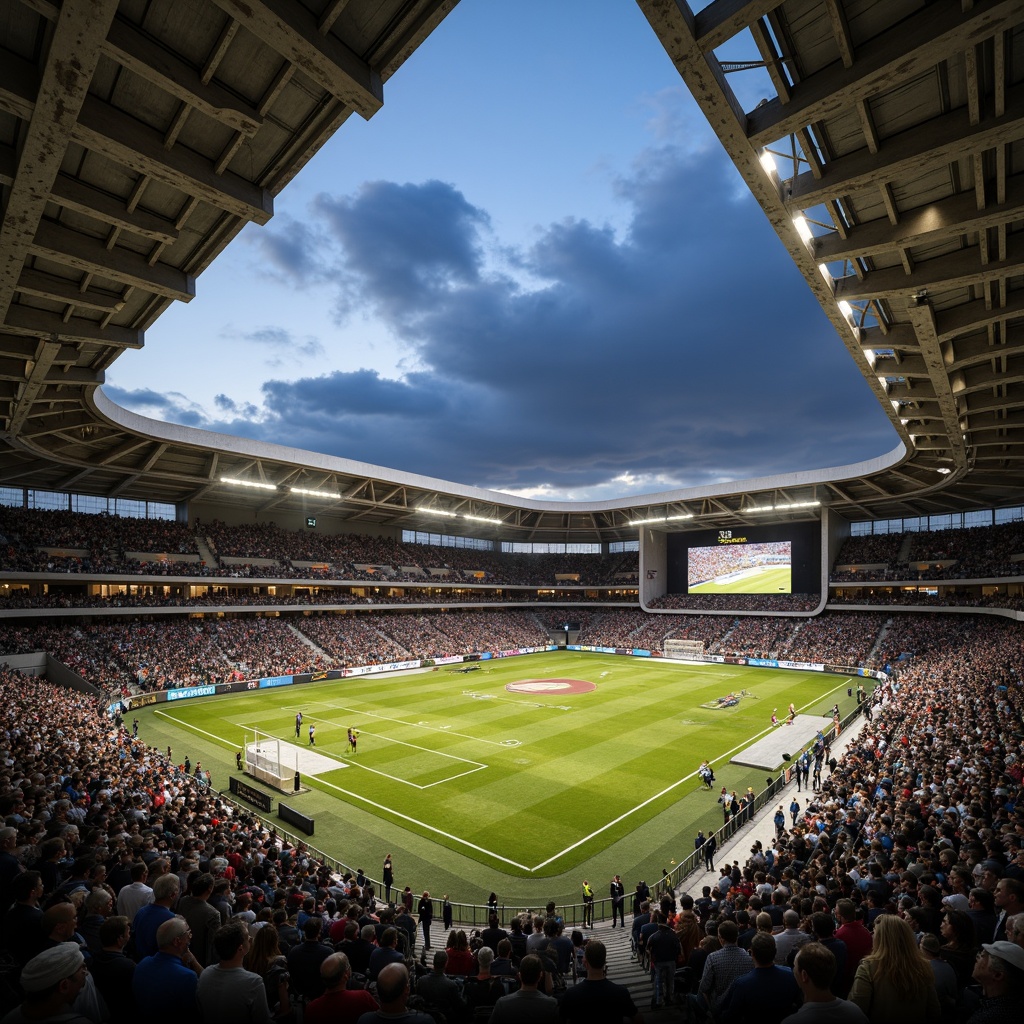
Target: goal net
{"type": "Point", "coordinates": [684, 650]}
{"type": "Point", "coordinates": [263, 760]}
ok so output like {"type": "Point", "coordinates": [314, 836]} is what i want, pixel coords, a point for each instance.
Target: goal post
{"type": "Point", "coordinates": [263, 760]}
{"type": "Point", "coordinates": [684, 650]}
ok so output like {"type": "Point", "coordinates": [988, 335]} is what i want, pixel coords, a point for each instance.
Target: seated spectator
{"type": "Point", "coordinates": [460, 959]}
{"type": "Point", "coordinates": [439, 991]}
{"type": "Point", "coordinates": [815, 972]}
{"type": "Point", "coordinates": [393, 992]}
{"type": "Point", "coordinates": [766, 994]}
{"type": "Point", "coordinates": [164, 984]}
{"type": "Point", "coordinates": [304, 961]}
{"type": "Point", "coordinates": [528, 1005]}
{"type": "Point", "coordinates": [1000, 972]}
{"type": "Point", "coordinates": [338, 1004]}
{"type": "Point", "coordinates": [226, 991]}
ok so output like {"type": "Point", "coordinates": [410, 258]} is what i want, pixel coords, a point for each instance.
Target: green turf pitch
{"type": "Point", "coordinates": [767, 581]}
{"type": "Point", "coordinates": [457, 771]}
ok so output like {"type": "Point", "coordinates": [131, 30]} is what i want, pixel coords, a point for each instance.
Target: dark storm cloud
{"type": "Point", "coordinates": [408, 242]}
{"type": "Point", "coordinates": [686, 349]}
{"type": "Point", "coordinates": [292, 250]}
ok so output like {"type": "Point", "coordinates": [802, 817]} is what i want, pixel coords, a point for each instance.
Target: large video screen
{"type": "Point", "coordinates": [741, 568]}
{"type": "Point", "coordinates": [783, 558]}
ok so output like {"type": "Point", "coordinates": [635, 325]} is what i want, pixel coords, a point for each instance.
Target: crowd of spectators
{"type": "Point", "coordinates": [980, 552]}
{"type": "Point", "coordinates": [162, 596]}
{"type": "Point", "coordinates": [132, 654]}
{"type": "Point", "coordinates": [950, 598]}
{"type": "Point", "coordinates": [910, 847]}
{"type": "Point", "coordinates": [738, 602]}
{"type": "Point", "coordinates": [64, 542]}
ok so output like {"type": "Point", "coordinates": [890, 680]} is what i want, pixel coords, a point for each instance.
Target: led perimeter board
{"type": "Point", "coordinates": [778, 559]}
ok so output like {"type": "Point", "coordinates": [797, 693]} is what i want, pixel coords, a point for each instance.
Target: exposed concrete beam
{"type": "Point", "coordinates": [134, 145]}
{"type": "Point", "coordinates": [35, 379]}
{"type": "Point", "coordinates": [145, 58]}
{"type": "Point", "coordinates": [978, 313]}
{"type": "Point", "coordinates": [956, 269]}
{"type": "Point", "coordinates": [40, 323]}
{"type": "Point", "coordinates": [60, 289]}
{"type": "Point", "coordinates": [933, 222]}
{"type": "Point", "coordinates": [722, 19]}
{"type": "Point", "coordinates": [944, 139]}
{"type": "Point", "coordinates": [141, 148]}
{"type": "Point", "coordinates": [77, 196]}
{"type": "Point", "coordinates": [91, 255]}
{"type": "Point", "coordinates": [68, 67]}
{"type": "Point", "coordinates": [293, 32]}
{"type": "Point", "coordinates": [905, 51]}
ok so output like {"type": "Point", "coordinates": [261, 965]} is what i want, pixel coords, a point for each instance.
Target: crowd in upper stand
{"type": "Point", "coordinates": [74, 542]}
{"type": "Point", "coordinates": [977, 552]}
{"type": "Point", "coordinates": [898, 886]}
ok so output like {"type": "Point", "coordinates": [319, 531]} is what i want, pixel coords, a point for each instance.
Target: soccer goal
{"type": "Point", "coordinates": [684, 650]}
{"type": "Point", "coordinates": [263, 760]}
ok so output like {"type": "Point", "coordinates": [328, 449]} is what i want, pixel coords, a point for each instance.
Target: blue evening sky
{"type": "Point", "coordinates": [533, 270]}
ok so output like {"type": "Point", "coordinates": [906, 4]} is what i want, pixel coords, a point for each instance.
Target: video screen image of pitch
{"type": "Point", "coordinates": [760, 568]}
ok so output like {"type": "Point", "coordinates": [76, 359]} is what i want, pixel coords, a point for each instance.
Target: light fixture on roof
{"type": "Point", "coordinates": [688, 515]}
{"type": "Point", "coordinates": [782, 506]}
{"type": "Point", "coordinates": [825, 272]}
{"type": "Point", "coordinates": [768, 162]}
{"type": "Point", "coordinates": [653, 519]}
{"type": "Point", "coordinates": [314, 493]}
{"type": "Point", "coordinates": [256, 484]}
{"type": "Point", "coordinates": [803, 229]}
{"type": "Point", "coordinates": [482, 519]}
{"type": "Point", "coordinates": [944, 470]}
{"type": "Point", "coordinates": [439, 512]}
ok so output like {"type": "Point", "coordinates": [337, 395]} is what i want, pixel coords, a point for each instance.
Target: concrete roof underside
{"type": "Point", "coordinates": [138, 137]}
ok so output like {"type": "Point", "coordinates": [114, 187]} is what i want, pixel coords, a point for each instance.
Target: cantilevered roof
{"type": "Point", "coordinates": [138, 137]}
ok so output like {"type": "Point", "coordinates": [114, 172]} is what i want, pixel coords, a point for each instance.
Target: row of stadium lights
{"type": "Point", "coordinates": [259, 485]}
{"type": "Point", "coordinates": [781, 507]}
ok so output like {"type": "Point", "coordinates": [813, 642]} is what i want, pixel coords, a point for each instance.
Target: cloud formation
{"type": "Point", "coordinates": [684, 350]}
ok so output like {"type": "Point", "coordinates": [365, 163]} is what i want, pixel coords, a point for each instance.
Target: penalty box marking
{"type": "Point", "coordinates": [415, 725]}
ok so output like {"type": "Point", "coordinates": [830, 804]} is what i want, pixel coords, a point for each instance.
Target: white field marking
{"type": "Point", "coordinates": [349, 763]}
{"type": "Point", "coordinates": [427, 750]}
{"type": "Point", "coordinates": [195, 728]}
{"type": "Point", "coordinates": [424, 825]}
{"type": "Point", "coordinates": [512, 700]}
{"type": "Point", "coordinates": [669, 788]}
{"type": "Point", "coordinates": [411, 725]}
{"type": "Point", "coordinates": [406, 782]}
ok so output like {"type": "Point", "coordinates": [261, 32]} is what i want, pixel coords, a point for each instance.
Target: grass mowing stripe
{"type": "Point", "coordinates": [195, 728]}
{"type": "Point", "coordinates": [593, 774]}
{"type": "Point", "coordinates": [421, 824]}
{"type": "Point", "coordinates": [640, 806]}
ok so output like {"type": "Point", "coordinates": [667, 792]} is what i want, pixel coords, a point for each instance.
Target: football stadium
{"type": "Point", "coordinates": [283, 697]}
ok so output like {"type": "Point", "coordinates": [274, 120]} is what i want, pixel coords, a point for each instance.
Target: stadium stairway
{"type": "Point", "coordinates": [624, 970]}
{"type": "Point", "coordinates": [310, 644]}
{"type": "Point", "coordinates": [205, 552]}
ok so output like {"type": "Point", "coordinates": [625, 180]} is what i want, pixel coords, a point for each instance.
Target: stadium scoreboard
{"type": "Point", "coordinates": [780, 558]}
